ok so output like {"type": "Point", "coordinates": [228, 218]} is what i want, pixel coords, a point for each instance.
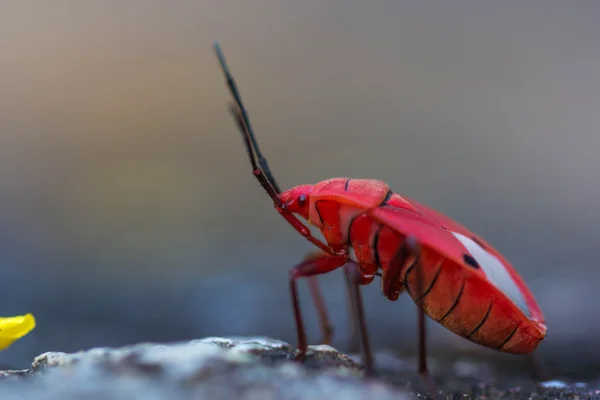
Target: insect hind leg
{"type": "Point", "coordinates": [392, 286]}
{"type": "Point", "coordinates": [535, 367]}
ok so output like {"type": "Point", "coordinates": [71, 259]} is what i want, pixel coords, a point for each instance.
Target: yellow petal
{"type": "Point", "coordinates": [14, 328]}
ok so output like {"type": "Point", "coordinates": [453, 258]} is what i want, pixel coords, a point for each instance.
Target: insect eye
{"type": "Point", "coordinates": [302, 200]}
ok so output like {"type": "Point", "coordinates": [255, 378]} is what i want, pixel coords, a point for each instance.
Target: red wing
{"type": "Point", "coordinates": [536, 313]}
{"type": "Point", "coordinates": [454, 226]}
{"type": "Point", "coordinates": [457, 243]}
{"type": "Point", "coordinates": [425, 229]}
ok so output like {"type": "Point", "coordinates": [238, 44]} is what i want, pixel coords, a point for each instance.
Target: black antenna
{"type": "Point", "coordinates": [243, 121]}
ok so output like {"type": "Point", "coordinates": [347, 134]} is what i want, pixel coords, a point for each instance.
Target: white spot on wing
{"type": "Point", "coordinates": [495, 271]}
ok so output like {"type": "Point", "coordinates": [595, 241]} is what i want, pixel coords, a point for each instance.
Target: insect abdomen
{"type": "Point", "coordinates": [459, 301]}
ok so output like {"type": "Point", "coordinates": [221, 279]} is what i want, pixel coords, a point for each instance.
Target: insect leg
{"type": "Point", "coordinates": [354, 341]}
{"type": "Point", "coordinates": [315, 291]}
{"type": "Point", "coordinates": [536, 369]}
{"type": "Point", "coordinates": [410, 250]}
{"type": "Point", "coordinates": [353, 273]}
{"type": "Point", "coordinates": [324, 323]}
{"type": "Point", "coordinates": [304, 231]}
{"type": "Point", "coordinates": [309, 268]}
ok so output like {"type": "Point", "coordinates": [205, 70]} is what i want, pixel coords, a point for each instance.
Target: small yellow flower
{"type": "Point", "coordinates": [14, 328]}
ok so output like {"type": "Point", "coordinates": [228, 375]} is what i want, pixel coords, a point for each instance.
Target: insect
{"type": "Point", "coordinates": [453, 276]}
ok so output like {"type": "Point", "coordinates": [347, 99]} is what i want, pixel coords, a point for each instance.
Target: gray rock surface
{"type": "Point", "coordinates": [251, 368]}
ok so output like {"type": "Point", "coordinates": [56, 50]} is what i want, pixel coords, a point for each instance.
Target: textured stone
{"type": "Point", "coordinates": [258, 369]}
{"type": "Point", "coordinates": [211, 368]}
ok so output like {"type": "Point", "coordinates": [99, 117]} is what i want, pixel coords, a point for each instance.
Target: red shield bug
{"type": "Point", "coordinates": [454, 276]}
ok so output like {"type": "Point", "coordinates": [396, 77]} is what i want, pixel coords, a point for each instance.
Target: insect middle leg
{"type": "Point", "coordinates": [354, 279]}
{"type": "Point", "coordinates": [354, 337]}
{"type": "Point", "coordinates": [324, 323]}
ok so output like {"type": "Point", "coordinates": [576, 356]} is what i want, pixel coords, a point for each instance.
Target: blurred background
{"type": "Point", "coordinates": [128, 211]}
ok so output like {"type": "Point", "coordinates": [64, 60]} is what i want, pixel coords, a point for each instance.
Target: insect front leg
{"type": "Point", "coordinates": [315, 291]}
{"type": "Point", "coordinates": [310, 268]}
{"type": "Point", "coordinates": [325, 325]}
{"type": "Point", "coordinates": [324, 322]}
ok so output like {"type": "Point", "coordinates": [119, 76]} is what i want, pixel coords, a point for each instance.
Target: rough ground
{"type": "Point", "coordinates": [257, 369]}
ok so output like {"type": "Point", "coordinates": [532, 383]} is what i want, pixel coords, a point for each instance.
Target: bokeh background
{"type": "Point", "coordinates": [128, 211]}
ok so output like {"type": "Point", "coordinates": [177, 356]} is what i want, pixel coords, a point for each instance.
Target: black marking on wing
{"type": "Point", "coordinates": [346, 184]}
{"type": "Point", "coordinates": [510, 336]}
{"type": "Point", "coordinates": [409, 269]}
{"type": "Point", "coordinates": [470, 261]}
{"type": "Point", "coordinates": [460, 292]}
{"type": "Point", "coordinates": [485, 317]}
{"type": "Point", "coordinates": [375, 244]}
{"type": "Point", "coordinates": [387, 198]}
{"type": "Point", "coordinates": [318, 211]}
{"type": "Point", "coordinates": [433, 281]}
